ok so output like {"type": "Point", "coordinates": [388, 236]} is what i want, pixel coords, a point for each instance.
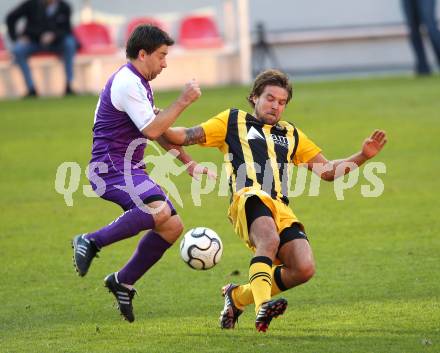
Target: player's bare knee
{"type": "Point", "coordinates": [266, 242]}
{"type": "Point", "coordinates": [171, 229]}
{"type": "Point", "coordinates": [177, 226]}
{"type": "Point", "coordinates": [270, 237]}
{"type": "Point", "coordinates": [272, 244]}
{"type": "Point", "coordinates": [263, 234]}
{"type": "Point", "coordinates": [161, 214]}
{"type": "Point", "coordinates": [305, 272]}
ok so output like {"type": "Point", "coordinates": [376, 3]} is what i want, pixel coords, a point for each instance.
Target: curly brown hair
{"type": "Point", "coordinates": [270, 77]}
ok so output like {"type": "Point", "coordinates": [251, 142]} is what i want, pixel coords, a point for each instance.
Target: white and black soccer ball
{"type": "Point", "coordinates": [201, 248]}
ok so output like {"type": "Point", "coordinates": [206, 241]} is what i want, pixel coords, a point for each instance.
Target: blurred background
{"type": "Point", "coordinates": [223, 42]}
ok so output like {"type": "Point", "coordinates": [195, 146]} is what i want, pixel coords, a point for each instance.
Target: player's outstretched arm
{"type": "Point", "coordinates": [193, 168]}
{"type": "Point", "coordinates": [330, 170]}
{"type": "Point", "coordinates": [185, 136]}
{"type": "Point", "coordinates": [168, 116]}
{"type": "Point", "coordinates": [174, 149]}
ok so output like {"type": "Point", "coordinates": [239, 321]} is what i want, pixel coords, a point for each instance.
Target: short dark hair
{"type": "Point", "coordinates": [147, 37]}
{"type": "Point", "coordinates": [270, 78]}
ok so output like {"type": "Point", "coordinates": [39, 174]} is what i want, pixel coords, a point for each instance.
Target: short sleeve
{"type": "Point", "coordinates": [215, 130]}
{"type": "Point", "coordinates": [129, 95]}
{"type": "Point", "coordinates": [306, 149]}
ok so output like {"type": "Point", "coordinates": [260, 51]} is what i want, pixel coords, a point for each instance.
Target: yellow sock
{"type": "Point", "coordinates": [260, 280]}
{"type": "Point", "coordinates": [242, 295]}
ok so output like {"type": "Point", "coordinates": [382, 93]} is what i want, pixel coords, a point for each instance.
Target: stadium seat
{"type": "Point", "coordinates": [94, 39]}
{"type": "Point", "coordinates": [4, 54]}
{"type": "Point", "coordinates": [199, 32]}
{"type": "Point", "coordinates": [44, 54]}
{"type": "Point", "coordinates": [140, 21]}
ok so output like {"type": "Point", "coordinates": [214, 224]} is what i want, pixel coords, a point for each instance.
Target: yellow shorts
{"type": "Point", "coordinates": [282, 214]}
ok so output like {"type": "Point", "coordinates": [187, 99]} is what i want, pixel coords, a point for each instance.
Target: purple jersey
{"type": "Point", "coordinates": [125, 107]}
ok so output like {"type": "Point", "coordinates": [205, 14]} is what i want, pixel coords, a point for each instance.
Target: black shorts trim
{"type": "Point", "coordinates": [254, 209]}
{"type": "Point", "coordinates": [295, 231]}
{"type": "Point", "coordinates": [153, 198]}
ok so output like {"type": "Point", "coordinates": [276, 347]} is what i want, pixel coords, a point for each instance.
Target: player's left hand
{"type": "Point", "coordinates": [195, 170]}
{"type": "Point", "coordinates": [374, 143]}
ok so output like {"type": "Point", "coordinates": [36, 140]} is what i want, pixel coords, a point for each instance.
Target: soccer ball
{"type": "Point", "coordinates": [201, 248]}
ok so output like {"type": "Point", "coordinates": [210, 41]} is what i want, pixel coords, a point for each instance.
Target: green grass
{"type": "Point", "coordinates": [377, 286]}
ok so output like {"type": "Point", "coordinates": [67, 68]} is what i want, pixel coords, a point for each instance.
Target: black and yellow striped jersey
{"type": "Point", "coordinates": [256, 154]}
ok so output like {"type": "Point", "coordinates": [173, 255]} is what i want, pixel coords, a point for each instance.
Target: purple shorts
{"type": "Point", "coordinates": [128, 190]}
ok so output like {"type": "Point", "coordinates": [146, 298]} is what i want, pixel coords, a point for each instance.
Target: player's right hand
{"type": "Point", "coordinates": [191, 92]}
{"type": "Point", "coordinates": [196, 170]}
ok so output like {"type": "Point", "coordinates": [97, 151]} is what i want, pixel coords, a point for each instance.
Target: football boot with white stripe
{"type": "Point", "coordinates": [123, 295]}
{"type": "Point", "coordinates": [230, 313]}
{"type": "Point", "coordinates": [84, 251]}
{"type": "Point", "coordinates": [268, 311]}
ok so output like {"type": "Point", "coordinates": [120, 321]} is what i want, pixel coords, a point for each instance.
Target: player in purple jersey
{"type": "Point", "coordinates": [125, 117]}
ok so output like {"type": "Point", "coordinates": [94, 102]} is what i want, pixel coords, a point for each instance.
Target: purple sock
{"type": "Point", "coordinates": [150, 249]}
{"type": "Point", "coordinates": [128, 224]}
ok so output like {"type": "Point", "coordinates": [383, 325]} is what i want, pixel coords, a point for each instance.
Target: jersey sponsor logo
{"type": "Point", "coordinates": [253, 134]}
{"type": "Point", "coordinates": [280, 140]}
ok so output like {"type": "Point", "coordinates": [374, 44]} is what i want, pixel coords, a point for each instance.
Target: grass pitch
{"type": "Point", "coordinates": [378, 275]}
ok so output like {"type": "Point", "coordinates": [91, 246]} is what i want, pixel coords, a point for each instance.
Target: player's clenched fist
{"type": "Point", "coordinates": [190, 92]}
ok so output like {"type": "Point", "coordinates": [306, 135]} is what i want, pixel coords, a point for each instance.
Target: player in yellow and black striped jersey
{"type": "Point", "coordinates": [263, 152]}
{"type": "Point", "coordinates": [259, 149]}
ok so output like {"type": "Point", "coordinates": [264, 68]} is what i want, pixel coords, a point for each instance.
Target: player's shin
{"type": "Point", "coordinates": [150, 249]}
{"type": "Point", "coordinates": [127, 225]}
